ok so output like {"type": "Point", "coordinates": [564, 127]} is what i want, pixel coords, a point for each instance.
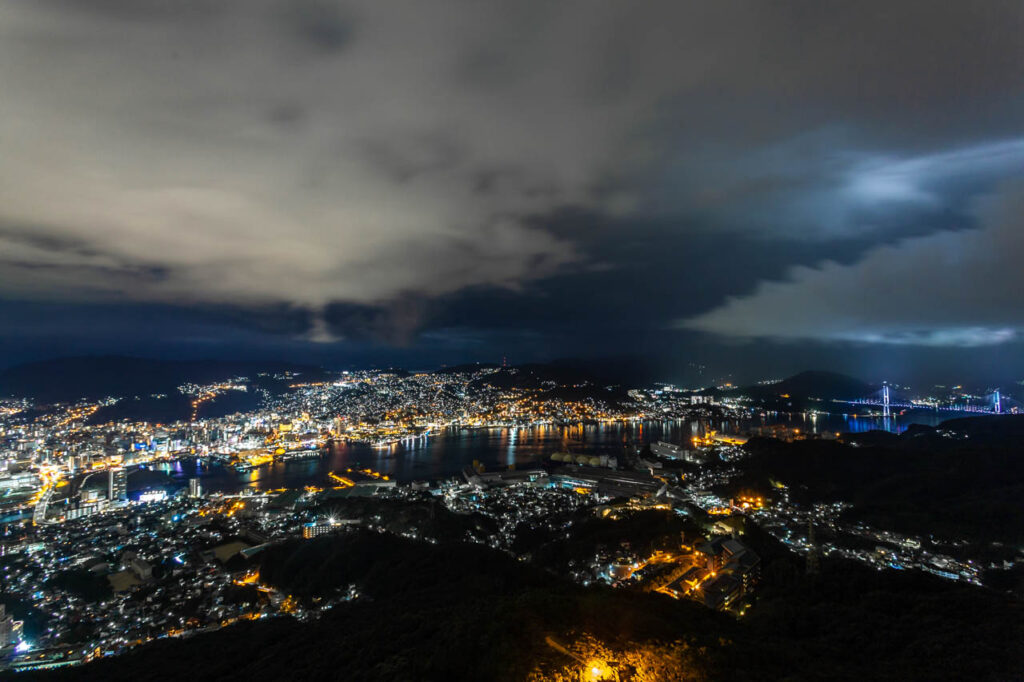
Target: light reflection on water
{"type": "Point", "coordinates": [447, 453]}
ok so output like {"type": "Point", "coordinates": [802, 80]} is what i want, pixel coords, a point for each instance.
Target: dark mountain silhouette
{"type": "Point", "coordinates": [68, 379]}
{"type": "Point", "coordinates": [539, 376]}
{"type": "Point", "coordinates": [554, 381]}
{"type": "Point", "coordinates": [466, 367]}
{"type": "Point", "coordinates": [963, 479]}
{"type": "Point", "coordinates": [813, 384]}
{"type": "Point", "coordinates": [1009, 426]}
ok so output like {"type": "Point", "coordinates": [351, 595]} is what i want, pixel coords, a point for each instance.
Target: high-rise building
{"type": "Point", "coordinates": [312, 530]}
{"type": "Point", "coordinates": [195, 487]}
{"type": "Point", "coordinates": [315, 529]}
{"type": "Point", "coordinates": [10, 629]}
{"type": "Point", "coordinates": [117, 485]}
{"type": "Point", "coordinates": [5, 627]}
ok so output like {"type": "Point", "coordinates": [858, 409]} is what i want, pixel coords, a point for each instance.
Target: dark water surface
{"type": "Point", "coordinates": [445, 454]}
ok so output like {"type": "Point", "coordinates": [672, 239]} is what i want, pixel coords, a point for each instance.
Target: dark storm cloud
{"type": "Point", "coordinates": [323, 23]}
{"type": "Point", "coordinates": [396, 322]}
{"type": "Point", "coordinates": [947, 289]}
{"type": "Point", "coordinates": [371, 166]}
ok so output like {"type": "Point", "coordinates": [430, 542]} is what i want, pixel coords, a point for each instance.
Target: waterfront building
{"type": "Point", "coordinates": [117, 485]}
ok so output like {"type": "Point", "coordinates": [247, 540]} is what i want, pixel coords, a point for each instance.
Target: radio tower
{"type": "Point", "coordinates": [813, 556]}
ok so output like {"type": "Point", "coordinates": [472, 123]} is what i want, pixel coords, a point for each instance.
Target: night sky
{"type": "Point", "coordinates": [753, 187]}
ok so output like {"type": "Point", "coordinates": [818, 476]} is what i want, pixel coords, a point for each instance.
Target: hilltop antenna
{"type": "Point", "coordinates": [813, 556]}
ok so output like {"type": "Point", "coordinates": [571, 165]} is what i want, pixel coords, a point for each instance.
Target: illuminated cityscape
{"type": "Point", "coordinates": [107, 564]}
{"type": "Point", "coordinates": [511, 341]}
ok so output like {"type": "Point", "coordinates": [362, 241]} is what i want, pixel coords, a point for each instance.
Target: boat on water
{"type": "Point", "coordinates": [300, 454]}
{"type": "Point", "coordinates": [386, 443]}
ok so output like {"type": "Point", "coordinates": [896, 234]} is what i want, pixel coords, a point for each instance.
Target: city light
{"type": "Point", "coordinates": [76, 495]}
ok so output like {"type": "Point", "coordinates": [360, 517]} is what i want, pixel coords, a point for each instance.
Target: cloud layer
{"type": "Point", "coordinates": [958, 288]}
{"type": "Point", "coordinates": [366, 156]}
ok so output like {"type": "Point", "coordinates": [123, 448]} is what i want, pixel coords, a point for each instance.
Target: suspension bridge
{"type": "Point", "coordinates": [889, 399]}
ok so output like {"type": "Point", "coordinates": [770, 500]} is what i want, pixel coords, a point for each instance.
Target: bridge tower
{"type": "Point", "coordinates": [885, 401]}
{"type": "Point", "coordinates": [997, 403]}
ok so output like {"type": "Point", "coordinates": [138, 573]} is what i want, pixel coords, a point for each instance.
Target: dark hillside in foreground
{"type": "Point", "coordinates": [431, 612]}
{"type": "Point", "coordinates": [463, 612]}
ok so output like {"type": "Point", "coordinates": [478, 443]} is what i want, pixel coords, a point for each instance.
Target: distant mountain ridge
{"type": "Point", "coordinates": [67, 379]}
{"type": "Point", "coordinates": [465, 367]}
{"type": "Point", "coordinates": [537, 376]}
{"type": "Point", "coordinates": [812, 389]}
{"type": "Point", "coordinates": [813, 384]}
